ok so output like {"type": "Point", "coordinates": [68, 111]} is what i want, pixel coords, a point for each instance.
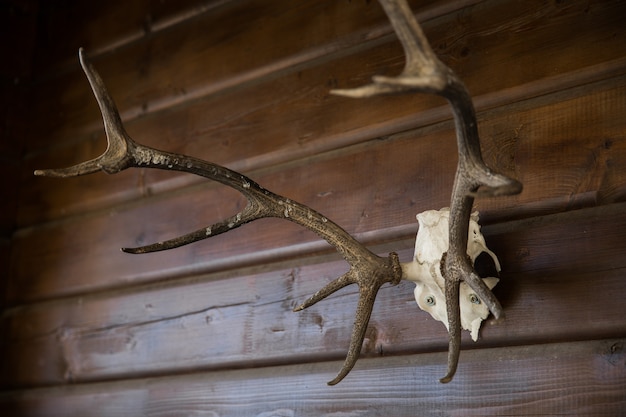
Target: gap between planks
{"type": "Point", "coordinates": [559, 377]}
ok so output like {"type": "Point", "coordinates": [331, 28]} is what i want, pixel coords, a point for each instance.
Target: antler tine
{"type": "Point", "coordinates": [454, 332]}
{"type": "Point", "coordinates": [367, 270]}
{"type": "Point", "coordinates": [367, 297]}
{"type": "Point", "coordinates": [115, 157]}
{"type": "Point", "coordinates": [424, 72]}
{"type": "Point", "coordinates": [370, 275]}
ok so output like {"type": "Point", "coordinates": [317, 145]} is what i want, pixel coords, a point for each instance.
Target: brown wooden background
{"type": "Point", "coordinates": [207, 329]}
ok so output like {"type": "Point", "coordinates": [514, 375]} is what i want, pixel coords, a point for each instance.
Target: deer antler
{"type": "Point", "coordinates": [424, 72]}
{"type": "Point", "coordinates": [367, 270]}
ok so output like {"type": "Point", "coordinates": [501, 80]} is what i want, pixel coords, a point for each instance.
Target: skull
{"type": "Point", "coordinates": [425, 270]}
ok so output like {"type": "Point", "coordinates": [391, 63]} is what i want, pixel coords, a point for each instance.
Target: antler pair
{"type": "Point", "coordinates": [424, 73]}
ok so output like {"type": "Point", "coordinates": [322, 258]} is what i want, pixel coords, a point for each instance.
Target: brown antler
{"type": "Point", "coordinates": [424, 72]}
{"type": "Point", "coordinates": [367, 270]}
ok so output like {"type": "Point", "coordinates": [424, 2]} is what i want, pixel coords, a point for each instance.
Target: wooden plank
{"type": "Point", "coordinates": [18, 22]}
{"type": "Point", "coordinates": [584, 378]}
{"type": "Point", "coordinates": [583, 127]}
{"type": "Point", "coordinates": [5, 258]}
{"type": "Point", "coordinates": [8, 197]}
{"type": "Point", "coordinates": [246, 131]}
{"type": "Point", "coordinates": [245, 319]}
{"type": "Point", "coordinates": [102, 27]}
{"type": "Point", "coordinates": [246, 40]}
{"type": "Point", "coordinates": [12, 108]}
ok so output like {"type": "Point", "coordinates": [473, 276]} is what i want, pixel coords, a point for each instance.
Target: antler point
{"type": "Point", "coordinates": [446, 379]}
{"type": "Point", "coordinates": [334, 381]}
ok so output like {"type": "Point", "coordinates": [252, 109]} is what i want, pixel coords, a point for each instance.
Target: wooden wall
{"type": "Point", "coordinates": [207, 329]}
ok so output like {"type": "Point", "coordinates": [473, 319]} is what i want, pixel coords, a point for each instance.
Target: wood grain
{"type": "Point", "coordinates": [292, 116]}
{"type": "Point", "coordinates": [246, 41]}
{"type": "Point", "coordinates": [245, 320]}
{"type": "Point", "coordinates": [208, 329]}
{"type": "Point", "coordinates": [103, 27]}
{"type": "Point", "coordinates": [574, 379]}
{"type": "Point", "coordinates": [17, 22]}
{"type": "Point", "coordinates": [584, 126]}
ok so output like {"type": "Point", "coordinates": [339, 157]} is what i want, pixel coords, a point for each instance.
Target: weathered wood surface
{"type": "Point", "coordinates": [17, 22]}
{"type": "Point", "coordinates": [283, 117]}
{"type": "Point", "coordinates": [379, 194]}
{"type": "Point", "coordinates": [247, 320]}
{"type": "Point", "coordinates": [102, 27]}
{"type": "Point", "coordinates": [87, 330]}
{"type": "Point", "coordinates": [246, 40]}
{"type": "Point", "coordinates": [573, 379]}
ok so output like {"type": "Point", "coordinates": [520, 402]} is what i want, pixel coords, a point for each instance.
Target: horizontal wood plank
{"type": "Point", "coordinates": [574, 379]}
{"type": "Point", "coordinates": [246, 320]}
{"type": "Point", "coordinates": [102, 27]}
{"type": "Point", "coordinates": [236, 43]}
{"type": "Point", "coordinates": [371, 200]}
{"type": "Point", "coordinates": [292, 116]}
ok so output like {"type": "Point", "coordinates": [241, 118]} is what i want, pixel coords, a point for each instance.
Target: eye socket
{"type": "Point", "coordinates": [474, 299]}
{"type": "Point", "coordinates": [430, 300]}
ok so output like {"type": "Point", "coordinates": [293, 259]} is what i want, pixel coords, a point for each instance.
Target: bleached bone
{"type": "Point", "coordinates": [431, 244]}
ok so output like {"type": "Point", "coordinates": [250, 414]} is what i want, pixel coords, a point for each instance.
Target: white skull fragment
{"type": "Point", "coordinates": [430, 245]}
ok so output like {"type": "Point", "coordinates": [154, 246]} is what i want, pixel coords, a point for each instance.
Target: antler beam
{"type": "Point", "coordinates": [425, 73]}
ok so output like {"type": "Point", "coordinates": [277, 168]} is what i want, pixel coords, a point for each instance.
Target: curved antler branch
{"type": "Point", "coordinates": [370, 279]}
{"type": "Point", "coordinates": [425, 73]}
{"type": "Point", "coordinates": [367, 270]}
